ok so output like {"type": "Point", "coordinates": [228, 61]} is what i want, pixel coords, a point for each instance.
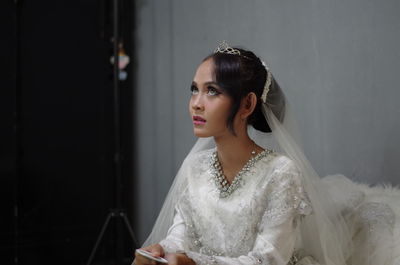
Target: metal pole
{"type": "Point", "coordinates": [117, 116]}
{"type": "Point", "coordinates": [117, 136]}
{"type": "Point", "coordinates": [118, 212]}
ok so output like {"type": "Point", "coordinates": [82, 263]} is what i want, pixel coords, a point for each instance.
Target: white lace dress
{"type": "Point", "coordinates": [256, 224]}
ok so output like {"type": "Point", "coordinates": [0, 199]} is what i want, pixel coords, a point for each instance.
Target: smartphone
{"type": "Point", "coordinates": [148, 255]}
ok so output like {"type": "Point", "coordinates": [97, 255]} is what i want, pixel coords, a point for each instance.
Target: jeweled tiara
{"type": "Point", "coordinates": [223, 47]}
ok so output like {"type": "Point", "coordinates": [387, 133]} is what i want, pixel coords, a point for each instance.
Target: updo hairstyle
{"type": "Point", "coordinates": [238, 75]}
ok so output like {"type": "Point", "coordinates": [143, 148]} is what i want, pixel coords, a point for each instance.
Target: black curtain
{"type": "Point", "coordinates": [57, 137]}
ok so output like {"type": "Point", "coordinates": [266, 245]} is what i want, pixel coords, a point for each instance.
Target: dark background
{"type": "Point", "coordinates": [56, 135]}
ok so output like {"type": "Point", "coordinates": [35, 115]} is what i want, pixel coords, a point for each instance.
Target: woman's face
{"type": "Point", "coordinates": [209, 106]}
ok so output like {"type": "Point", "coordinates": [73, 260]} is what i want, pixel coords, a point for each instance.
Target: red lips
{"type": "Point", "coordinates": [198, 120]}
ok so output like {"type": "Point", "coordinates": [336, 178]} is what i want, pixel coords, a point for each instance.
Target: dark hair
{"type": "Point", "coordinates": [238, 75]}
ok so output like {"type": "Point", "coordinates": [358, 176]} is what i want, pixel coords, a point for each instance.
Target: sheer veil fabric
{"type": "Point", "coordinates": [327, 234]}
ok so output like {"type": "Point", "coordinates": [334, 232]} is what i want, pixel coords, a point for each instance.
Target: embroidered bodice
{"type": "Point", "coordinates": [255, 224]}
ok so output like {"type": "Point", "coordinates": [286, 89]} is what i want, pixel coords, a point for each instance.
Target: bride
{"type": "Point", "coordinates": [235, 201]}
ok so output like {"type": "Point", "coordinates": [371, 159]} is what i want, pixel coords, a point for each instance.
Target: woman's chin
{"type": "Point", "coordinates": [200, 133]}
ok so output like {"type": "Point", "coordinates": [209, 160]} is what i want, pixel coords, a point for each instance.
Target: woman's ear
{"type": "Point", "coordinates": [248, 105]}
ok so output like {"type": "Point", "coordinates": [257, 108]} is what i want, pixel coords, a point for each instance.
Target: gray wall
{"type": "Point", "coordinates": [338, 62]}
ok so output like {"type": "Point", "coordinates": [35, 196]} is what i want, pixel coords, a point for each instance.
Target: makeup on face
{"type": "Point", "coordinates": [198, 120]}
{"type": "Point", "coordinates": [209, 105]}
{"type": "Point", "coordinates": [210, 88]}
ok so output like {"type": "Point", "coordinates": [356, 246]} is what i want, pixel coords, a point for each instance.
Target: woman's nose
{"type": "Point", "coordinates": [197, 103]}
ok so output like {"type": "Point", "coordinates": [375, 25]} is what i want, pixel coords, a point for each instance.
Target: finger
{"type": "Point", "coordinates": [154, 250]}
{"type": "Point", "coordinates": [171, 258]}
{"type": "Point", "coordinates": [141, 260]}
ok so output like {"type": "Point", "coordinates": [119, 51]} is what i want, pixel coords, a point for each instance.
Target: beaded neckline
{"type": "Point", "coordinates": [225, 189]}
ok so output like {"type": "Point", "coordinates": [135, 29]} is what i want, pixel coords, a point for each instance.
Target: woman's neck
{"type": "Point", "coordinates": [234, 152]}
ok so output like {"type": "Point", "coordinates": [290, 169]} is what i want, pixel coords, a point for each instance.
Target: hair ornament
{"type": "Point", "coordinates": [267, 83]}
{"type": "Point", "coordinates": [223, 47]}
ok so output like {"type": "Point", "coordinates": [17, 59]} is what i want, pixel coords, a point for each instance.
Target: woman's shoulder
{"type": "Point", "coordinates": [279, 162]}
{"type": "Point", "coordinates": [278, 171]}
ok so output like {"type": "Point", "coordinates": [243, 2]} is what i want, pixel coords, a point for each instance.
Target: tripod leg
{"type": "Point", "coordinates": [123, 215]}
{"type": "Point", "coordinates": [103, 229]}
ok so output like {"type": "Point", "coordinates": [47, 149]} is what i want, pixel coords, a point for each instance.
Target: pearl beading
{"type": "Point", "coordinates": [225, 189]}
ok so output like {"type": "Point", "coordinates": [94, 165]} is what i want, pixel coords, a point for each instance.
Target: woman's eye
{"type": "Point", "coordinates": [194, 90]}
{"type": "Point", "coordinates": [212, 91]}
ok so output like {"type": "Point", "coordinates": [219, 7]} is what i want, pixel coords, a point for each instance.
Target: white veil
{"type": "Point", "coordinates": [324, 234]}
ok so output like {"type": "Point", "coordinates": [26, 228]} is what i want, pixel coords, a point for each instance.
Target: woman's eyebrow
{"type": "Point", "coordinates": [211, 83]}
{"type": "Point", "coordinates": [206, 83]}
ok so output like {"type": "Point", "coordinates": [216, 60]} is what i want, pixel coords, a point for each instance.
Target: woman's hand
{"type": "Point", "coordinates": [156, 250]}
{"type": "Point", "coordinates": [178, 259]}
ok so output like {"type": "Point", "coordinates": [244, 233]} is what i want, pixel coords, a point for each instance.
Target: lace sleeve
{"type": "Point", "coordinates": [174, 241]}
{"type": "Point", "coordinates": [285, 196]}
{"type": "Point", "coordinates": [284, 203]}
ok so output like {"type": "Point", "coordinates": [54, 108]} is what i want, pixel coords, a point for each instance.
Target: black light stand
{"type": "Point", "coordinates": [118, 212]}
